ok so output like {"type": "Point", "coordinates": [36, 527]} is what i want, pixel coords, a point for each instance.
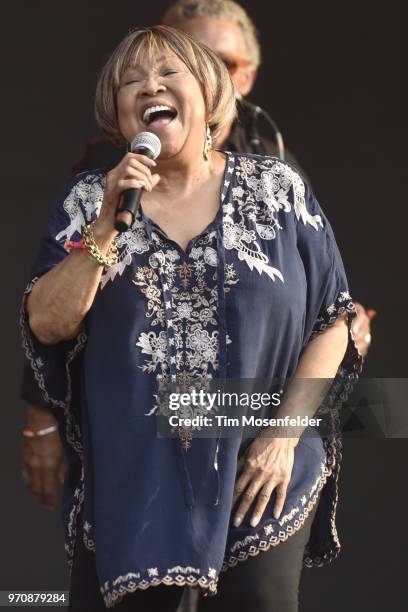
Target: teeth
{"type": "Point", "coordinates": [154, 109]}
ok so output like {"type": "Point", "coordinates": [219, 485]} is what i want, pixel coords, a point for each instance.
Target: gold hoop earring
{"type": "Point", "coordinates": [207, 144]}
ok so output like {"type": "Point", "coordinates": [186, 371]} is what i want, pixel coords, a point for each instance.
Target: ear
{"type": "Point", "coordinates": [245, 81]}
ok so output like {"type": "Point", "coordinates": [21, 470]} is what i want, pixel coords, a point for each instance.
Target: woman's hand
{"type": "Point", "coordinates": [266, 465]}
{"type": "Point", "coordinates": [43, 459]}
{"type": "Point", "coordinates": [134, 171]}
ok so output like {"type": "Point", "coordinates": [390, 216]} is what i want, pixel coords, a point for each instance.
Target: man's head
{"type": "Point", "coordinates": [225, 27]}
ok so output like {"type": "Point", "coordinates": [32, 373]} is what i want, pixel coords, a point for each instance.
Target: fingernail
{"type": "Point", "coordinates": [371, 314]}
{"type": "Point", "coordinates": [276, 515]}
{"type": "Point", "coordinates": [237, 521]}
{"type": "Point", "coordinates": [254, 521]}
{"type": "Point", "coordinates": [153, 162]}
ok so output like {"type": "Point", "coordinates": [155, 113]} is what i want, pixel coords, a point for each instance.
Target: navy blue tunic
{"type": "Point", "coordinates": [241, 301]}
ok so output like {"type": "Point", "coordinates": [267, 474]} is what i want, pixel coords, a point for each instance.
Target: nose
{"type": "Point", "coordinates": [152, 85]}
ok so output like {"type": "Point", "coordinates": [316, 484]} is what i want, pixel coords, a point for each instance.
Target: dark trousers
{"type": "Point", "coordinates": [85, 596]}
{"type": "Point", "coordinates": [268, 582]}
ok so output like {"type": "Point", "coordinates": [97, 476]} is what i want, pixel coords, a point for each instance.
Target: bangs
{"type": "Point", "coordinates": [147, 46]}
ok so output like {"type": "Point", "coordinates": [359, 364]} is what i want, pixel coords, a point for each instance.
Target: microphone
{"type": "Point", "coordinates": [257, 111]}
{"type": "Point", "coordinates": [144, 143]}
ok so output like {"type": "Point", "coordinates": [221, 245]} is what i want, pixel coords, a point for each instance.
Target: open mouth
{"type": "Point", "coordinates": [158, 116]}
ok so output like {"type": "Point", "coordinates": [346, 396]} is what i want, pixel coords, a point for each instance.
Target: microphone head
{"type": "Point", "coordinates": [148, 141]}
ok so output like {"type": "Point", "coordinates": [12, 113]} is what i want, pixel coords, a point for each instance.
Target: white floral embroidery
{"type": "Point", "coordinates": [211, 257]}
{"type": "Point", "coordinates": [133, 241]}
{"type": "Point", "coordinates": [172, 255]}
{"type": "Point", "coordinates": [264, 188]}
{"type": "Point", "coordinates": [196, 253]}
{"type": "Point", "coordinates": [178, 569]}
{"type": "Point", "coordinates": [184, 311]}
{"type": "Point", "coordinates": [268, 529]}
{"type": "Point", "coordinates": [119, 579]}
{"type": "Point", "coordinates": [187, 338]}
{"type": "Point", "coordinates": [154, 345]}
{"type": "Point", "coordinates": [83, 205]}
{"type": "Point", "coordinates": [237, 192]}
{"type": "Point", "coordinates": [194, 311]}
{"type": "Point", "coordinates": [88, 541]}
{"type": "Point", "coordinates": [86, 196]}
{"type": "Point", "coordinates": [287, 517]}
{"type": "Point", "coordinates": [245, 542]}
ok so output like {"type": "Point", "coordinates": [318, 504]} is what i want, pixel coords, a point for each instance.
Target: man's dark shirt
{"type": "Point", "coordinates": [100, 152]}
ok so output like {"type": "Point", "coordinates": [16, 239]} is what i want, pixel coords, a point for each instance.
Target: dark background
{"type": "Point", "coordinates": [332, 77]}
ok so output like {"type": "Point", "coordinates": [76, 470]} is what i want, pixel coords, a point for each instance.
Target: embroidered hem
{"type": "Point", "coordinates": [72, 526]}
{"type": "Point", "coordinates": [207, 582]}
{"type": "Point", "coordinates": [114, 592]}
{"type": "Point", "coordinates": [342, 386]}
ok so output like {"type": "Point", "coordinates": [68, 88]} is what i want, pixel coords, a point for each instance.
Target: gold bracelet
{"type": "Point", "coordinates": [94, 251]}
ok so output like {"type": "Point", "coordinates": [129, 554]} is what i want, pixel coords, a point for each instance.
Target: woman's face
{"type": "Point", "coordinates": [162, 96]}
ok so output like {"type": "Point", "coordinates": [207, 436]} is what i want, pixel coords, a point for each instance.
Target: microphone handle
{"type": "Point", "coordinates": [126, 210]}
{"type": "Point", "coordinates": [129, 203]}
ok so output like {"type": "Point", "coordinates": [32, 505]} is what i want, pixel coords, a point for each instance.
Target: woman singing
{"type": "Point", "coordinates": [230, 270]}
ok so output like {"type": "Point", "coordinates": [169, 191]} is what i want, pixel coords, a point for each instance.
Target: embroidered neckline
{"type": "Point", "coordinates": [151, 226]}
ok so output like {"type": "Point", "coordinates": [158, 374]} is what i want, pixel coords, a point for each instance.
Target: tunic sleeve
{"type": "Point", "coordinates": [30, 391]}
{"type": "Point", "coordinates": [328, 298]}
{"type": "Point", "coordinates": [51, 363]}
{"type": "Point", "coordinates": [327, 287]}
{"type": "Point", "coordinates": [328, 294]}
